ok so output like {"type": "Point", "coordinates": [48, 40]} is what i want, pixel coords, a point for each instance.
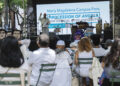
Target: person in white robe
{"type": "Point", "coordinates": [62, 75]}
{"type": "Point", "coordinates": [44, 23]}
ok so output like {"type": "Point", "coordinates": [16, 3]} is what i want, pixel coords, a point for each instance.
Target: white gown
{"type": "Point", "coordinates": [62, 75]}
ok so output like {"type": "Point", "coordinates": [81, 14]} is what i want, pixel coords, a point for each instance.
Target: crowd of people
{"type": "Point", "coordinates": [15, 57]}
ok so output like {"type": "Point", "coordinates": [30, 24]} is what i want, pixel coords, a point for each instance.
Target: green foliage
{"type": "Point", "coordinates": [1, 5]}
{"type": "Point", "coordinates": [13, 3]}
{"type": "Point", "coordinates": [117, 7]}
{"type": "Point", "coordinates": [1, 1]}
{"type": "Point", "coordinates": [18, 3]}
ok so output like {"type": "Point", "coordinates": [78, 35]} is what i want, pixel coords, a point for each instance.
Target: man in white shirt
{"type": "Point", "coordinates": [43, 55]}
{"type": "Point", "coordinates": [44, 23]}
{"type": "Point", "coordinates": [98, 50]}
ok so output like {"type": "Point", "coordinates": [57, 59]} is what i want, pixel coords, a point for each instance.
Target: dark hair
{"type": "Point", "coordinates": [44, 40]}
{"type": "Point", "coordinates": [95, 39]}
{"type": "Point", "coordinates": [10, 55]}
{"type": "Point", "coordinates": [113, 56]}
{"type": "Point", "coordinates": [16, 30]}
{"type": "Point", "coordinates": [3, 30]}
{"type": "Point", "coordinates": [9, 31]}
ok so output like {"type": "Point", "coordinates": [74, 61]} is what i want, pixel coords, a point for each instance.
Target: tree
{"type": "Point", "coordinates": [14, 7]}
{"type": "Point", "coordinates": [11, 7]}
{"type": "Point", "coordinates": [1, 5]}
{"type": "Point", "coordinates": [117, 11]}
{"type": "Point", "coordinates": [1, 8]}
{"type": "Point", "coordinates": [18, 3]}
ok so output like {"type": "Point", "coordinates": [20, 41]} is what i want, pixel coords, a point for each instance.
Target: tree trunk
{"type": "Point", "coordinates": [12, 14]}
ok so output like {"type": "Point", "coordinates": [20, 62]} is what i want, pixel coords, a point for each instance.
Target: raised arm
{"type": "Point", "coordinates": [40, 16]}
{"type": "Point", "coordinates": [48, 21]}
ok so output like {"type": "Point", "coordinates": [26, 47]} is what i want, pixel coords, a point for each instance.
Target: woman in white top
{"type": "Point", "coordinates": [84, 51]}
{"type": "Point", "coordinates": [11, 59]}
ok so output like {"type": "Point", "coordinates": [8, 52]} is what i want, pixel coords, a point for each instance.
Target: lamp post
{"type": "Point", "coordinates": [113, 6]}
{"type": "Point", "coordinates": [24, 10]}
{"type": "Point", "coordinates": [6, 14]}
{"type": "Point", "coordinates": [24, 26]}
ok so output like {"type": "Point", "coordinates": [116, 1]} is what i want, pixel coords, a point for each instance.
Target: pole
{"type": "Point", "coordinates": [24, 26]}
{"type": "Point", "coordinates": [24, 10]}
{"type": "Point", "coordinates": [113, 18]}
{"type": "Point", "coordinates": [6, 14]}
{"type": "Point", "coordinates": [9, 24]}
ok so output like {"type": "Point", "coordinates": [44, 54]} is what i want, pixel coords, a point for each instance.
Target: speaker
{"type": "Point", "coordinates": [117, 30]}
{"type": "Point", "coordinates": [108, 34]}
{"type": "Point", "coordinates": [98, 28]}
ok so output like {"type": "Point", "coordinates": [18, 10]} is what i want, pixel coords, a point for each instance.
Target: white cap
{"type": "Point", "coordinates": [73, 44]}
{"type": "Point", "coordinates": [60, 42]}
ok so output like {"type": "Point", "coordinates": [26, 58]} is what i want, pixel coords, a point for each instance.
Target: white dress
{"type": "Point", "coordinates": [62, 75]}
{"type": "Point", "coordinates": [84, 68]}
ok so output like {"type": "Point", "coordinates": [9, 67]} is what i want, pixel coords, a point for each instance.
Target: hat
{"type": "Point", "coordinates": [73, 44]}
{"type": "Point", "coordinates": [60, 42]}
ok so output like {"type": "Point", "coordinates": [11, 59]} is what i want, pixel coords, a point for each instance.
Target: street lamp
{"type": "Point", "coordinates": [24, 26]}
{"type": "Point", "coordinates": [113, 6]}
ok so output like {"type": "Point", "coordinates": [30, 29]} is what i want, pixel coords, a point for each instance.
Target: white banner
{"type": "Point", "coordinates": [64, 15]}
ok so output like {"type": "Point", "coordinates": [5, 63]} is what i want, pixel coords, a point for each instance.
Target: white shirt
{"type": "Point", "coordinates": [26, 42]}
{"type": "Point", "coordinates": [25, 52]}
{"type": "Point", "coordinates": [38, 57]}
{"type": "Point", "coordinates": [108, 50]}
{"type": "Point", "coordinates": [24, 48]}
{"type": "Point", "coordinates": [99, 51]}
{"type": "Point", "coordinates": [84, 68]}
{"type": "Point", "coordinates": [62, 75]}
{"type": "Point", "coordinates": [44, 21]}
{"type": "Point", "coordinates": [23, 69]}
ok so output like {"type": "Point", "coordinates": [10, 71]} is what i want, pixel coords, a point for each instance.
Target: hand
{"type": "Point", "coordinates": [19, 42]}
{"type": "Point", "coordinates": [48, 23]}
{"type": "Point", "coordinates": [40, 14]}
